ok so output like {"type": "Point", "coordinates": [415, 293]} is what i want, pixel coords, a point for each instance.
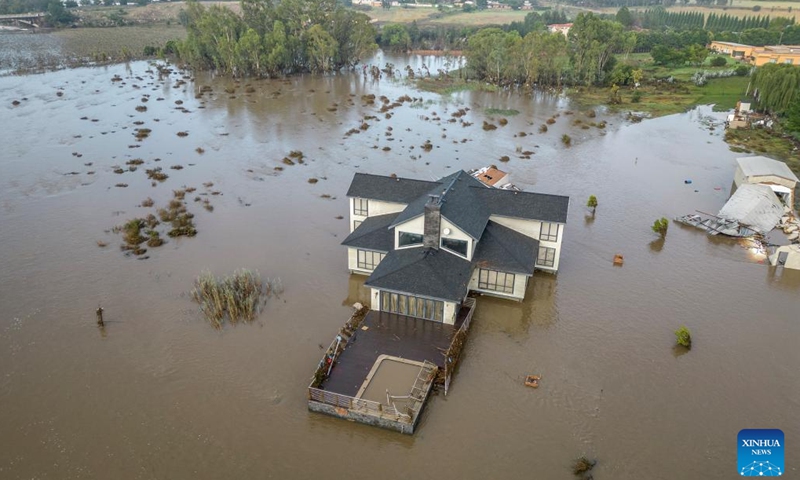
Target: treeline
{"type": "Point", "coordinates": [775, 87]}
{"type": "Point", "coordinates": [276, 37]}
{"type": "Point", "coordinates": [585, 57]}
{"type": "Point", "coordinates": [401, 37]}
{"type": "Point", "coordinates": [404, 37]}
{"type": "Point", "coordinates": [659, 18]}
{"type": "Point", "coordinates": [9, 7]}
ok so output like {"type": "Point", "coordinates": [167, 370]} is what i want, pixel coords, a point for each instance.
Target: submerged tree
{"type": "Point", "coordinates": [592, 203]}
{"type": "Point", "coordinates": [276, 38]}
{"type": "Point", "coordinates": [660, 226]}
{"type": "Point", "coordinates": [683, 336]}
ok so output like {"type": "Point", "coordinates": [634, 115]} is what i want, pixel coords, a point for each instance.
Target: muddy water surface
{"type": "Point", "coordinates": [160, 394]}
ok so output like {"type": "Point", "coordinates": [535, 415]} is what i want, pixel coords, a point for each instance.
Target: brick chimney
{"type": "Point", "coordinates": [433, 221]}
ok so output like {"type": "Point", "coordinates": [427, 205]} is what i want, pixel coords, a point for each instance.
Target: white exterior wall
{"type": "Point", "coordinates": [520, 284]}
{"type": "Point", "coordinates": [449, 314]}
{"type": "Point", "coordinates": [352, 261]}
{"type": "Point", "coordinates": [457, 234]}
{"type": "Point", "coordinates": [450, 310]}
{"type": "Point", "coordinates": [532, 228]}
{"type": "Point", "coordinates": [792, 259]}
{"type": "Point", "coordinates": [374, 207]}
{"type": "Point", "coordinates": [415, 225]}
{"type": "Point", "coordinates": [739, 178]}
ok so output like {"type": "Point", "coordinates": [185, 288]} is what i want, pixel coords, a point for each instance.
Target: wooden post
{"type": "Point", "coordinates": [100, 316]}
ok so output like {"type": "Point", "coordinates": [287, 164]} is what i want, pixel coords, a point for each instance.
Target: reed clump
{"type": "Point", "coordinates": [234, 298]}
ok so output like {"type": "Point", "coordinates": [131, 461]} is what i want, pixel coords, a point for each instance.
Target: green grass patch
{"type": "Point", "coordinates": [770, 142]}
{"type": "Point", "coordinates": [668, 98]}
{"type": "Point", "coordinates": [446, 86]}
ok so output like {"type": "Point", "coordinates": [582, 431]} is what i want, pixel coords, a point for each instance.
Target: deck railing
{"type": "Point", "coordinates": [454, 352]}
{"type": "Point", "coordinates": [369, 407]}
{"type": "Point", "coordinates": [343, 401]}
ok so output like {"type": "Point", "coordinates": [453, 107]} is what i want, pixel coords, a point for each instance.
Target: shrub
{"type": "Point", "coordinates": [566, 140]}
{"type": "Point", "coordinates": [742, 70]}
{"type": "Point", "coordinates": [660, 226]}
{"type": "Point", "coordinates": [636, 97]}
{"type": "Point", "coordinates": [583, 465]}
{"type": "Point", "coordinates": [683, 336]}
{"type": "Point", "coordinates": [718, 61]}
{"type": "Point", "coordinates": [592, 202]}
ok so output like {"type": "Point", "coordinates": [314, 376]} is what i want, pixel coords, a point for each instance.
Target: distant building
{"type": "Point", "coordinates": [492, 176]}
{"type": "Point", "coordinates": [559, 28]}
{"type": "Point", "coordinates": [788, 54]}
{"type": "Point", "coordinates": [758, 56]}
{"type": "Point", "coordinates": [735, 50]}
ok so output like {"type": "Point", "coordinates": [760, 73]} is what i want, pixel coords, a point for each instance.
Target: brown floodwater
{"type": "Point", "coordinates": [160, 394]}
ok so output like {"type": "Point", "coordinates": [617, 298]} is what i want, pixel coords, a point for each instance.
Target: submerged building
{"type": "Point", "coordinates": [425, 246]}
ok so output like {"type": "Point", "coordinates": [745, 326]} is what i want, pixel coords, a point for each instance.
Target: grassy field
{"type": "Point", "coordinates": [740, 8]}
{"type": "Point", "coordinates": [116, 43]}
{"type": "Point", "coordinates": [762, 141]}
{"type": "Point", "coordinates": [433, 16]}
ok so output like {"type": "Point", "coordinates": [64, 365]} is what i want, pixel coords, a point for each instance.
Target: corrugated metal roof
{"type": "Point", "coordinates": [755, 206]}
{"type": "Point", "coordinates": [760, 166]}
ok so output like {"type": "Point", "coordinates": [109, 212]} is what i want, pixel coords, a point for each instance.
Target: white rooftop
{"type": "Point", "coordinates": [760, 166]}
{"type": "Point", "coordinates": [754, 206]}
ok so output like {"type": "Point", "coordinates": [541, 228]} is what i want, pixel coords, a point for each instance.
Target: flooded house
{"type": "Point", "coordinates": [427, 248]}
{"type": "Point", "coordinates": [787, 256]}
{"type": "Point", "coordinates": [766, 171]}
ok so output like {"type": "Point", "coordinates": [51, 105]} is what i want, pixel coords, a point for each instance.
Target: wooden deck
{"type": "Point", "coordinates": [388, 334]}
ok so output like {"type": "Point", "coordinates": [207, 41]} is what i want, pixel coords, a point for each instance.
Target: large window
{"type": "Point", "coordinates": [368, 260]}
{"type": "Point", "coordinates": [549, 232]}
{"type": "Point", "coordinates": [457, 246]}
{"type": "Point", "coordinates": [406, 239]}
{"type": "Point", "coordinates": [361, 206]}
{"type": "Point", "coordinates": [547, 257]}
{"type": "Point", "coordinates": [496, 281]}
{"type": "Point", "coordinates": [412, 306]}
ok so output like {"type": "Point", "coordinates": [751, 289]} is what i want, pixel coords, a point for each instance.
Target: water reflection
{"type": "Point", "coordinates": [356, 291]}
{"type": "Point", "coordinates": [657, 245]}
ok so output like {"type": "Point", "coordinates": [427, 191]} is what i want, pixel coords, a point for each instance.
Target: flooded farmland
{"type": "Point", "coordinates": [159, 393]}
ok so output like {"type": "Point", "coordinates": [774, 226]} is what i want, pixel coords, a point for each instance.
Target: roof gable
{"type": "Point", "coordinates": [423, 271]}
{"type": "Point", "coordinates": [458, 203]}
{"type": "Point", "coordinates": [373, 234]}
{"type": "Point", "coordinates": [504, 249]}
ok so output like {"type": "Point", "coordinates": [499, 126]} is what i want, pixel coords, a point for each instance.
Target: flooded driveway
{"type": "Point", "coordinates": [161, 394]}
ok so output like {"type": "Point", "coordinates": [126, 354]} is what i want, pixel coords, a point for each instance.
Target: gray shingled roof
{"type": "Point", "coordinates": [388, 189]}
{"type": "Point", "coordinates": [423, 271]}
{"type": "Point", "coordinates": [373, 234]}
{"type": "Point", "coordinates": [529, 205]}
{"type": "Point", "coordinates": [504, 249]}
{"type": "Point", "coordinates": [459, 203]}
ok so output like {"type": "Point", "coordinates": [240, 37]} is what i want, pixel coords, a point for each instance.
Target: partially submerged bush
{"type": "Point", "coordinates": [660, 226]}
{"type": "Point", "coordinates": [683, 336]}
{"type": "Point", "coordinates": [235, 297]}
{"type": "Point", "coordinates": [583, 465]}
